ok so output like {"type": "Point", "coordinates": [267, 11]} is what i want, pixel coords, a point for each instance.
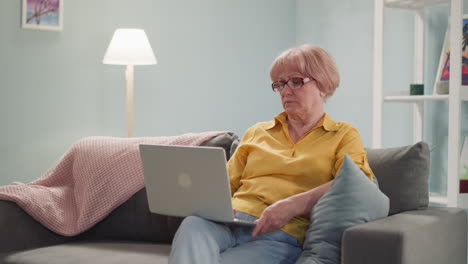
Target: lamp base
{"type": "Point", "coordinates": [129, 78]}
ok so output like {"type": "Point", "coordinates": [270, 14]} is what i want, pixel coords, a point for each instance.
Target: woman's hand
{"type": "Point", "coordinates": [275, 217]}
{"type": "Point", "coordinates": [278, 214]}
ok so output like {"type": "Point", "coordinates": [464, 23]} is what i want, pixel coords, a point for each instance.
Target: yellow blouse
{"type": "Point", "coordinates": [268, 166]}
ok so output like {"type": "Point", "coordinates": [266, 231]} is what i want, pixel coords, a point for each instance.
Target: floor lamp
{"type": "Point", "coordinates": [129, 47]}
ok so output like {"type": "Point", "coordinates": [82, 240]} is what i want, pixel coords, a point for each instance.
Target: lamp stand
{"type": "Point", "coordinates": [129, 78]}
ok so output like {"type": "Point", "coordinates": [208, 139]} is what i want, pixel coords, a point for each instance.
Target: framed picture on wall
{"type": "Point", "coordinates": [42, 14]}
{"type": "Point", "coordinates": [443, 72]}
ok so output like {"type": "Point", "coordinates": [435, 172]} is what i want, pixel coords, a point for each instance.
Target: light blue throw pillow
{"type": "Point", "coordinates": [351, 200]}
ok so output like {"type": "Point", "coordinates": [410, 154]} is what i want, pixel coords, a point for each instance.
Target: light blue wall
{"type": "Point", "coordinates": [214, 57]}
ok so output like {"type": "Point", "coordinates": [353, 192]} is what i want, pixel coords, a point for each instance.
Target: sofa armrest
{"type": "Point", "coordinates": [430, 235]}
{"type": "Point", "coordinates": [20, 231]}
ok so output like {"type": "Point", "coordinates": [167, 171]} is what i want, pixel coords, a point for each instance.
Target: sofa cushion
{"type": "Point", "coordinates": [92, 252]}
{"type": "Point", "coordinates": [234, 145]}
{"type": "Point", "coordinates": [133, 220]}
{"type": "Point", "coordinates": [224, 141]}
{"type": "Point", "coordinates": [351, 200]}
{"type": "Point", "coordinates": [403, 174]}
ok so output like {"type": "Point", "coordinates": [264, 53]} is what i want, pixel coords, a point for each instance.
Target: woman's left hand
{"type": "Point", "coordinates": [275, 217]}
{"type": "Point", "coordinates": [278, 214]}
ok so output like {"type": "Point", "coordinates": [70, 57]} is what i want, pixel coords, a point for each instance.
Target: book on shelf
{"type": "Point", "coordinates": [443, 72]}
{"type": "Point", "coordinates": [463, 167]}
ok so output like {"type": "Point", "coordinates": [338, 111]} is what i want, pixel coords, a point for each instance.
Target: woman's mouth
{"type": "Point", "coordinates": [289, 102]}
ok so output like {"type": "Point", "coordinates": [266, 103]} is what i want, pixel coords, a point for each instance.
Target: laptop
{"type": "Point", "coordinates": [188, 180]}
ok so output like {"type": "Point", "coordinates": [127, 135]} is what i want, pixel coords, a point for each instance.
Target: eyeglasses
{"type": "Point", "coordinates": [293, 83]}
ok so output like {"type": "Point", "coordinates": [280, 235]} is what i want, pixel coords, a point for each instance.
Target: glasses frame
{"type": "Point", "coordinates": [284, 83]}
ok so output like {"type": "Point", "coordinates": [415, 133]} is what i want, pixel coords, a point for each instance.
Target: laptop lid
{"type": "Point", "coordinates": [187, 180]}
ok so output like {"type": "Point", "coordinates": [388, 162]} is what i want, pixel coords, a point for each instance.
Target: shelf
{"type": "Point", "coordinates": [414, 98]}
{"type": "Point", "coordinates": [428, 97]}
{"type": "Point", "coordinates": [413, 4]}
{"type": "Point", "coordinates": [464, 92]}
{"type": "Point", "coordinates": [458, 94]}
{"type": "Point", "coordinates": [438, 199]}
{"type": "Point", "coordinates": [462, 200]}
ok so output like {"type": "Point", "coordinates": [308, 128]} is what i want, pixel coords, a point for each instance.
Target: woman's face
{"type": "Point", "coordinates": [303, 101]}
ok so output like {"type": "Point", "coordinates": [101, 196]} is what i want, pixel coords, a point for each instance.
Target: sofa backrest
{"type": "Point", "coordinates": [224, 141]}
{"type": "Point", "coordinates": [402, 174]}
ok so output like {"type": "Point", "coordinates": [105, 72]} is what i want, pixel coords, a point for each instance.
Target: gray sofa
{"type": "Point", "coordinates": [413, 233]}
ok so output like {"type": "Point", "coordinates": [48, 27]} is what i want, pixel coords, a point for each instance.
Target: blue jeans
{"type": "Point", "coordinates": [202, 241]}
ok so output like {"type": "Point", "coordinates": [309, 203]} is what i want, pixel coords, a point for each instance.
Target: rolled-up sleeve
{"type": "Point", "coordinates": [351, 145]}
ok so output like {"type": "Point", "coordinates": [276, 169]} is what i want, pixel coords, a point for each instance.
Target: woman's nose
{"type": "Point", "coordinates": [286, 90]}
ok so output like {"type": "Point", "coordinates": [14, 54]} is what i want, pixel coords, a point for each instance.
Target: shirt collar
{"type": "Point", "coordinates": [279, 119]}
{"type": "Point", "coordinates": [326, 122]}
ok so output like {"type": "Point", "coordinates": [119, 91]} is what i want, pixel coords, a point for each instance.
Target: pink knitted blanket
{"type": "Point", "coordinates": [96, 175]}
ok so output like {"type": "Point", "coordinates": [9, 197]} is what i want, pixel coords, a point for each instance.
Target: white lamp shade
{"type": "Point", "coordinates": [129, 46]}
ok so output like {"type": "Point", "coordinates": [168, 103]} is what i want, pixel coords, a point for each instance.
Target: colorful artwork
{"type": "Point", "coordinates": [43, 14]}
{"type": "Point", "coordinates": [445, 74]}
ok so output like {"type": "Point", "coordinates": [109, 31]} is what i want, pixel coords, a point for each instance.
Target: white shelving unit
{"type": "Point", "coordinates": [453, 198]}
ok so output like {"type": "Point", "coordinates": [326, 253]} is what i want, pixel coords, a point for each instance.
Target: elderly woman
{"type": "Point", "coordinates": [279, 171]}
